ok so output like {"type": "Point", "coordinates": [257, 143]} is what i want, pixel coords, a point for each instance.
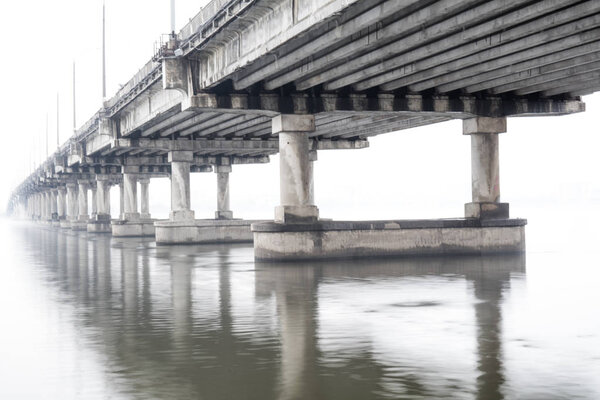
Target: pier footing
{"type": "Point", "coordinates": [99, 227]}
{"type": "Point", "coordinates": [78, 225]}
{"type": "Point", "coordinates": [204, 231]}
{"type": "Point", "coordinates": [355, 239]}
{"type": "Point", "coordinates": [122, 228]}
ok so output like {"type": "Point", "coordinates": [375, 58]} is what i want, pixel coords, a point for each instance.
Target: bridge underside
{"type": "Point", "coordinates": [509, 48]}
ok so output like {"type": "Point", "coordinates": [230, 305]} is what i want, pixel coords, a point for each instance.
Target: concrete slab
{"type": "Point", "coordinates": [132, 228]}
{"type": "Point", "coordinates": [347, 239]}
{"type": "Point", "coordinates": [204, 231]}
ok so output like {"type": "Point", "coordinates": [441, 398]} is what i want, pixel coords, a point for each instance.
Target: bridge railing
{"type": "Point", "coordinates": [206, 14]}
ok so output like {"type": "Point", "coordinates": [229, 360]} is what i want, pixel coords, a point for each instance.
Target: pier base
{"type": "Point", "coordinates": [78, 225]}
{"type": "Point", "coordinates": [204, 231]}
{"type": "Point", "coordinates": [65, 224]}
{"type": "Point", "coordinates": [99, 227]}
{"type": "Point", "coordinates": [346, 239]}
{"type": "Point", "coordinates": [124, 228]}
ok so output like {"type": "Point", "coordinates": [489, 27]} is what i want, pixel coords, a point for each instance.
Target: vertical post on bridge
{"type": "Point", "coordinates": [130, 210]}
{"type": "Point", "coordinates": [485, 168]}
{"type": "Point", "coordinates": [295, 169]}
{"type": "Point", "coordinates": [62, 203]}
{"type": "Point", "coordinates": [82, 214]}
{"type": "Point", "coordinates": [72, 201]}
{"type": "Point", "coordinates": [144, 198]}
{"type": "Point", "coordinates": [180, 185]}
{"type": "Point", "coordinates": [223, 211]}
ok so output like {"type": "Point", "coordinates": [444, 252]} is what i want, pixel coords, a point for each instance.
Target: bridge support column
{"type": "Point", "coordinates": [46, 212]}
{"type": "Point", "coordinates": [295, 169]}
{"type": "Point", "coordinates": [100, 222]}
{"type": "Point", "coordinates": [62, 206]}
{"type": "Point", "coordinates": [53, 205]}
{"type": "Point", "coordinates": [182, 228]}
{"type": "Point", "coordinates": [72, 202]}
{"type": "Point", "coordinates": [145, 198]}
{"type": "Point", "coordinates": [82, 207]}
{"type": "Point", "coordinates": [485, 168]}
{"type": "Point", "coordinates": [94, 189]}
{"type": "Point", "coordinates": [223, 211]}
{"type": "Point", "coordinates": [130, 210]}
{"type": "Point", "coordinates": [130, 224]}
{"type": "Point", "coordinates": [297, 233]}
{"type": "Point", "coordinates": [180, 185]}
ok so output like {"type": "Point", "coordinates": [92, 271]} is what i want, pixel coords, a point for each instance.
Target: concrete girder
{"type": "Point", "coordinates": [368, 19]}
{"type": "Point", "coordinates": [403, 34]}
{"type": "Point", "coordinates": [287, 26]}
{"type": "Point", "coordinates": [196, 144]}
{"type": "Point", "coordinates": [252, 131]}
{"type": "Point", "coordinates": [232, 122]}
{"type": "Point", "coordinates": [408, 123]}
{"type": "Point", "coordinates": [362, 122]}
{"type": "Point", "coordinates": [585, 89]}
{"type": "Point", "coordinates": [220, 118]}
{"type": "Point", "coordinates": [177, 117]}
{"type": "Point", "coordinates": [561, 79]}
{"type": "Point", "coordinates": [490, 74]}
{"type": "Point", "coordinates": [566, 85]}
{"type": "Point", "coordinates": [544, 50]}
{"type": "Point", "coordinates": [371, 66]}
{"type": "Point", "coordinates": [239, 127]}
{"type": "Point", "coordinates": [527, 36]}
{"type": "Point", "coordinates": [529, 85]}
{"type": "Point", "coordinates": [195, 119]}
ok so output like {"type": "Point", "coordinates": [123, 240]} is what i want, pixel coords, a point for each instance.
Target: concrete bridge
{"type": "Point", "coordinates": [245, 79]}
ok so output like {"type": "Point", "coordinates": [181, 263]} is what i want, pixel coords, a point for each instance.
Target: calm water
{"type": "Point", "coordinates": [90, 317]}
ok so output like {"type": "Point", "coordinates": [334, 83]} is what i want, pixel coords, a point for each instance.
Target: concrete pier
{"type": "Point", "coordinates": [80, 224]}
{"type": "Point", "coordinates": [182, 227]}
{"type": "Point", "coordinates": [485, 168]}
{"type": "Point", "coordinates": [295, 169]}
{"type": "Point", "coordinates": [223, 210]}
{"type": "Point", "coordinates": [131, 223]}
{"type": "Point", "coordinates": [100, 222]}
{"type": "Point", "coordinates": [71, 206]}
{"type": "Point", "coordinates": [297, 233]}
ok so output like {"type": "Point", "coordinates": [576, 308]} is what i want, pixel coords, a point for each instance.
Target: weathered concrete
{"type": "Point", "coordinates": [223, 210]}
{"type": "Point", "coordinates": [144, 198]}
{"type": "Point", "coordinates": [295, 169]}
{"type": "Point", "coordinates": [80, 224]}
{"type": "Point", "coordinates": [101, 221]}
{"type": "Point", "coordinates": [330, 239]}
{"type": "Point", "coordinates": [130, 210]}
{"type": "Point", "coordinates": [204, 231]}
{"type": "Point", "coordinates": [125, 228]}
{"type": "Point", "coordinates": [72, 206]}
{"type": "Point", "coordinates": [180, 185]}
{"type": "Point", "coordinates": [485, 168]}
{"type": "Point", "coordinates": [131, 223]}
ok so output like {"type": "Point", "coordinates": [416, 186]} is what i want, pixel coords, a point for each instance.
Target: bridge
{"type": "Point", "coordinates": [246, 79]}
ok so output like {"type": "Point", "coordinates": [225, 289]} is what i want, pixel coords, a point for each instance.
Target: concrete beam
{"type": "Point", "coordinates": [527, 36]}
{"type": "Point", "coordinates": [541, 59]}
{"type": "Point", "coordinates": [401, 31]}
{"type": "Point", "coordinates": [352, 27]}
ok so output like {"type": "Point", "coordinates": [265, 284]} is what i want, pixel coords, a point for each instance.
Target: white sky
{"type": "Point", "coordinates": [423, 172]}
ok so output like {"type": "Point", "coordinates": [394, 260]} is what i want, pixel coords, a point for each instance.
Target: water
{"type": "Point", "coordinates": [90, 317]}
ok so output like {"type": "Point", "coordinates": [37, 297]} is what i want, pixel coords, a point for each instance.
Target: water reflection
{"type": "Point", "coordinates": [207, 322]}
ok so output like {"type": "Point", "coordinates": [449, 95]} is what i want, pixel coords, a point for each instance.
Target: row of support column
{"type": "Point", "coordinates": [298, 233]}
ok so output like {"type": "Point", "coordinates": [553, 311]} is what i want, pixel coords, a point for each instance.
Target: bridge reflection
{"type": "Point", "coordinates": [206, 321]}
